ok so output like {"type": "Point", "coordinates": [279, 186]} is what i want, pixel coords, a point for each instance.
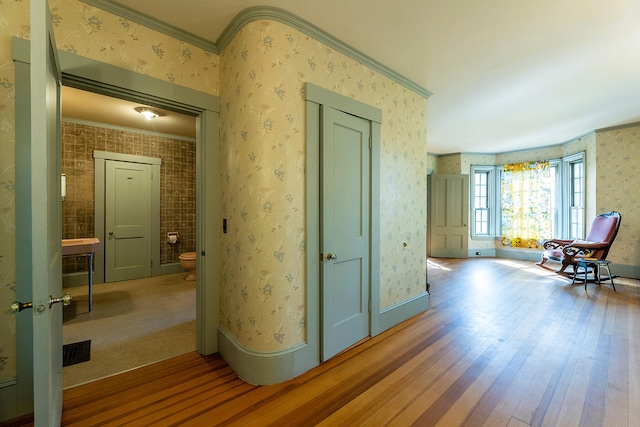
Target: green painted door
{"type": "Point", "coordinates": [127, 220]}
{"type": "Point", "coordinates": [46, 219]}
{"type": "Point", "coordinates": [345, 234]}
{"type": "Point", "coordinates": [449, 215]}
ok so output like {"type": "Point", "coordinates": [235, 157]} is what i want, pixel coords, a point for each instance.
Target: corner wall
{"type": "Point", "coordinates": [263, 73]}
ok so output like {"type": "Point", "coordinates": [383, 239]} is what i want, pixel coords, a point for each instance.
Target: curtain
{"type": "Point", "coordinates": [526, 204]}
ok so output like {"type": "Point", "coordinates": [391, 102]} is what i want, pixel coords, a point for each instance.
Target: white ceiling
{"type": "Point", "coordinates": [88, 106]}
{"type": "Point", "coordinates": [505, 74]}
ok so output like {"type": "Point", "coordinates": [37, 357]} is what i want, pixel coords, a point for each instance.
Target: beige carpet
{"type": "Point", "coordinates": [132, 324]}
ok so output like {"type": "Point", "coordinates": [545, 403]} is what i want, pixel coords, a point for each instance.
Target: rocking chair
{"type": "Point", "coordinates": [604, 230]}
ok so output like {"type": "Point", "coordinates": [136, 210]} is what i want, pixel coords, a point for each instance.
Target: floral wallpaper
{"type": "Point", "coordinates": [264, 70]}
{"type": "Point", "coordinates": [450, 163]}
{"type": "Point", "coordinates": [14, 21]}
{"type": "Point", "coordinates": [617, 177]}
{"type": "Point", "coordinates": [93, 33]}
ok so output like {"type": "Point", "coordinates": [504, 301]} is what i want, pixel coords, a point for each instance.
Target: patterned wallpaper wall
{"type": "Point", "coordinates": [14, 21]}
{"type": "Point", "coordinates": [93, 33]}
{"type": "Point", "coordinates": [618, 175]}
{"type": "Point", "coordinates": [264, 70]}
{"type": "Point", "coordinates": [177, 183]}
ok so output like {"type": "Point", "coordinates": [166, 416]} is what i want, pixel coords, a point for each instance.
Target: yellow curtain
{"type": "Point", "coordinates": [526, 204]}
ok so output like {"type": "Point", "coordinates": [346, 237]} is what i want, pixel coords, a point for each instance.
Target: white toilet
{"type": "Point", "coordinates": [188, 262]}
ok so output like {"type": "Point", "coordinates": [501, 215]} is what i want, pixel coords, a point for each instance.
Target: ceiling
{"type": "Point", "coordinates": [505, 74]}
{"type": "Point", "coordinates": [78, 104]}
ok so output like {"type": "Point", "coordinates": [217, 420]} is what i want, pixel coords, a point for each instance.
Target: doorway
{"type": "Point", "coordinates": [318, 100]}
{"type": "Point", "coordinates": [131, 324]}
{"type": "Point", "coordinates": [448, 215]}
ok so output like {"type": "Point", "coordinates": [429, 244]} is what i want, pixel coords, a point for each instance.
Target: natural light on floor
{"type": "Point", "coordinates": [532, 269]}
{"type": "Point", "coordinates": [436, 266]}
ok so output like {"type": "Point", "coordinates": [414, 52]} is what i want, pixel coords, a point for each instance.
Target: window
{"type": "Point", "coordinates": [575, 196]}
{"type": "Point", "coordinates": [481, 203]}
{"type": "Point", "coordinates": [527, 214]}
{"type": "Point", "coordinates": [565, 195]}
{"type": "Point", "coordinates": [484, 214]}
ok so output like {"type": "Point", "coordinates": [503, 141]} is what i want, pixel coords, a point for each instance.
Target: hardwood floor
{"type": "Point", "coordinates": [505, 343]}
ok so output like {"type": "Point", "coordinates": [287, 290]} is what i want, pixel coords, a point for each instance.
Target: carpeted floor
{"type": "Point", "coordinates": [132, 324]}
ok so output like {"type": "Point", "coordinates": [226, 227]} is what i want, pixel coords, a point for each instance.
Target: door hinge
{"type": "Point", "coordinates": [151, 263]}
{"type": "Point", "coordinates": [369, 306]}
{"type": "Point", "coordinates": [370, 143]}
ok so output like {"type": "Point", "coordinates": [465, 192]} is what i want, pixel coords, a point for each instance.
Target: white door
{"type": "Point", "coordinates": [127, 220]}
{"type": "Point", "coordinates": [46, 226]}
{"type": "Point", "coordinates": [345, 234]}
{"type": "Point", "coordinates": [449, 214]}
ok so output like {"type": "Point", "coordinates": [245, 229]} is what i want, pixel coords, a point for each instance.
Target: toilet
{"type": "Point", "coordinates": [188, 262]}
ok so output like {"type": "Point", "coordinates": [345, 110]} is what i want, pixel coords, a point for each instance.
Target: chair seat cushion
{"type": "Point", "coordinates": [554, 254]}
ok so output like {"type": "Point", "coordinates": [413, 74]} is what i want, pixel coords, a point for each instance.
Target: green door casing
{"type": "Point", "coordinates": [449, 214]}
{"type": "Point", "coordinates": [345, 230]}
{"type": "Point", "coordinates": [127, 220]}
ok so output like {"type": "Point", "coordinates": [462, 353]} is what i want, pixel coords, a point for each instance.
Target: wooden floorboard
{"type": "Point", "coordinates": [504, 343]}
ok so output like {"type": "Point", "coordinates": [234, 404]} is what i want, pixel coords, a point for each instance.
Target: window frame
{"type": "Point", "coordinates": [493, 174]}
{"type": "Point", "coordinates": [565, 194]}
{"type": "Point", "coordinates": [569, 192]}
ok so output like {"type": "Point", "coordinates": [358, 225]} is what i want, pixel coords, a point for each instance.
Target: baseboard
{"type": "Point", "coordinates": [622, 270]}
{"type": "Point", "coordinates": [519, 254]}
{"type": "Point", "coordinates": [628, 271]}
{"type": "Point", "coordinates": [172, 268]}
{"type": "Point", "coordinates": [481, 253]}
{"type": "Point", "coordinates": [398, 313]}
{"type": "Point", "coordinates": [264, 368]}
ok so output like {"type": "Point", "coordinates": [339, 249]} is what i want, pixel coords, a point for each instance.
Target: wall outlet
{"type": "Point", "coordinates": [477, 253]}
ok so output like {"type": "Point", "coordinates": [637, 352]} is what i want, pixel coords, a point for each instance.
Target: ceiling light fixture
{"type": "Point", "coordinates": [149, 113]}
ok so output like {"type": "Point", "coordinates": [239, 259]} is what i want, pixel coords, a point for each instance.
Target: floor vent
{"type": "Point", "coordinates": [76, 352]}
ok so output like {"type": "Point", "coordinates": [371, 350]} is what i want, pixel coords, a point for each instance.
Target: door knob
{"type": "Point", "coordinates": [64, 299]}
{"type": "Point", "coordinates": [331, 256]}
{"type": "Point", "coordinates": [111, 233]}
{"type": "Point", "coordinates": [18, 306]}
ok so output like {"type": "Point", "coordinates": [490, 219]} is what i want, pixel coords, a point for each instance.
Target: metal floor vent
{"type": "Point", "coordinates": [76, 352]}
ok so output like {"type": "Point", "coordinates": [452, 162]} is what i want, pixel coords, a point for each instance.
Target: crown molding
{"type": "Point", "coordinates": [152, 23]}
{"type": "Point", "coordinates": [259, 13]}
{"type": "Point", "coordinates": [268, 13]}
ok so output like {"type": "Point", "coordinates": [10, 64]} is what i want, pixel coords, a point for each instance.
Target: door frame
{"type": "Point", "coordinates": [100, 158]}
{"type": "Point", "coordinates": [316, 97]}
{"type": "Point", "coordinates": [87, 74]}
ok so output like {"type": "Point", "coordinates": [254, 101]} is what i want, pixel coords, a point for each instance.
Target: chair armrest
{"type": "Point", "coordinates": [589, 245]}
{"type": "Point", "coordinates": [556, 243]}
{"type": "Point", "coordinates": [584, 249]}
